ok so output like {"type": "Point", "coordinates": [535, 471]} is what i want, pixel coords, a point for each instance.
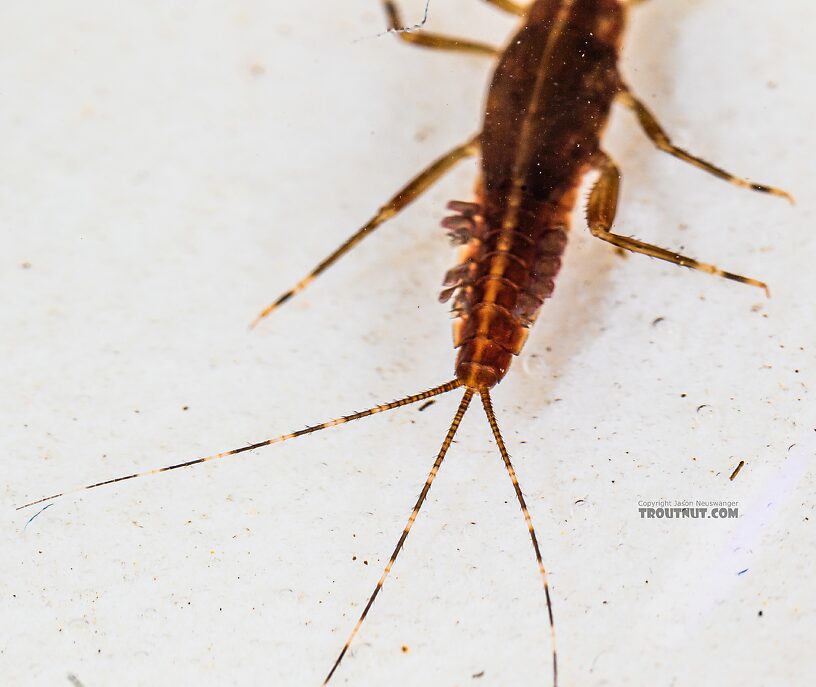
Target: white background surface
{"type": "Point", "coordinates": [168, 168]}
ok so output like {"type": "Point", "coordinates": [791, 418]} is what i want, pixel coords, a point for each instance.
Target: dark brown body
{"type": "Point", "coordinates": [548, 103]}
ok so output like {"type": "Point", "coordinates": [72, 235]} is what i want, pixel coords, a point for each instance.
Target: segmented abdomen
{"type": "Point", "coordinates": [501, 282]}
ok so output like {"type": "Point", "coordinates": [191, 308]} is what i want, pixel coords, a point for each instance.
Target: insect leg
{"type": "Point", "coordinates": [509, 6]}
{"type": "Point", "coordinates": [661, 139]}
{"type": "Point", "coordinates": [494, 426]}
{"type": "Point", "coordinates": [406, 195]}
{"type": "Point", "coordinates": [433, 40]}
{"type": "Point", "coordinates": [601, 207]}
{"type": "Point", "coordinates": [460, 413]}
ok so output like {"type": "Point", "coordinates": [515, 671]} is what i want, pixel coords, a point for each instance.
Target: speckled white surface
{"type": "Point", "coordinates": [168, 168]}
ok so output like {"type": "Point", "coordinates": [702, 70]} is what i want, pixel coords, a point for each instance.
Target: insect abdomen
{"type": "Point", "coordinates": [501, 283]}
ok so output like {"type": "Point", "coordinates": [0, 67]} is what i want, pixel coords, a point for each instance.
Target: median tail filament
{"type": "Point", "coordinates": [457, 420]}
